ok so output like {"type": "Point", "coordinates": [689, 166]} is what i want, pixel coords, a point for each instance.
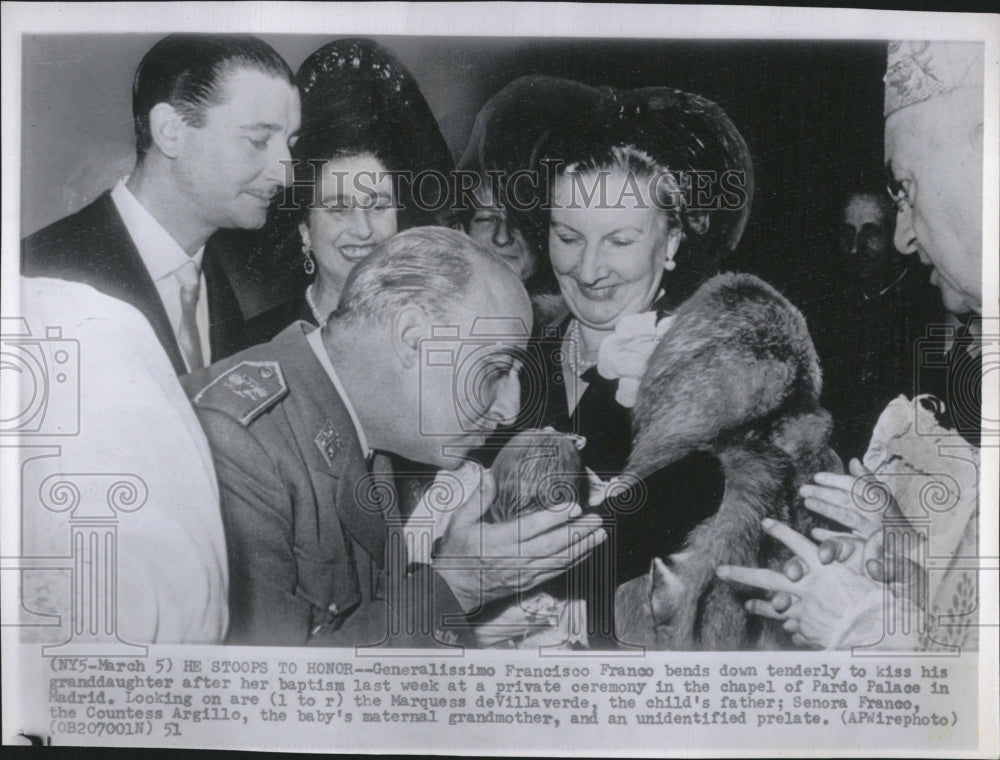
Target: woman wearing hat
{"type": "Point", "coordinates": [506, 133]}
{"type": "Point", "coordinates": [628, 238]}
{"type": "Point", "coordinates": [364, 124]}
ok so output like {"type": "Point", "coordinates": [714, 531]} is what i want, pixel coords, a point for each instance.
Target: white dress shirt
{"type": "Point", "coordinates": [163, 256]}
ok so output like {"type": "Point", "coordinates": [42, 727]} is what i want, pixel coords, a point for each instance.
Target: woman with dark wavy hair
{"type": "Point", "coordinates": [366, 132]}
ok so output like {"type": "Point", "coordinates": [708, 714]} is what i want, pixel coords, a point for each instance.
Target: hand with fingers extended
{"type": "Point", "coordinates": [821, 590]}
{"type": "Point", "coordinates": [482, 561]}
{"type": "Point", "coordinates": [858, 501]}
{"type": "Point", "coordinates": [859, 554]}
{"type": "Point", "coordinates": [864, 505]}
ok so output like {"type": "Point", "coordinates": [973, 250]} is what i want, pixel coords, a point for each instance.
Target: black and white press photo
{"type": "Point", "coordinates": [625, 375]}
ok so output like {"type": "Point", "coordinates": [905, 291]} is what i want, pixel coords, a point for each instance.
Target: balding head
{"type": "Point", "coordinates": [441, 325]}
{"type": "Point", "coordinates": [436, 269]}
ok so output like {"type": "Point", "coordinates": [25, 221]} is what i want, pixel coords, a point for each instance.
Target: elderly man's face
{"type": "Point", "coordinates": [934, 154]}
{"type": "Point", "coordinates": [469, 379]}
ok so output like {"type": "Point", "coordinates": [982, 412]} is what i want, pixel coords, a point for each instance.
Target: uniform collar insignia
{"type": "Point", "coordinates": [328, 442]}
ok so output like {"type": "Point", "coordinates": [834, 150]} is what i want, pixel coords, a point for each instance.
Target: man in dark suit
{"type": "Point", "coordinates": [318, 551]}
{"type": "Point", "coordinates": [213, 118]}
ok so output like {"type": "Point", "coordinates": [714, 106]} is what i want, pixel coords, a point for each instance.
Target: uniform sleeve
{"type": "Point", "coordinates": [257, 516]}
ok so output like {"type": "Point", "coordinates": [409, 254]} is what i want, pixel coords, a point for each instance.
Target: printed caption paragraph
{"type": "Point", "coordinates": [177, 698]}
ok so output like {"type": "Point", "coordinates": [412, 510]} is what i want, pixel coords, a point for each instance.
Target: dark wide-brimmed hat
{"type": "Point", "coordinates": [358, 94]}
{"type": "Point", "coordinates": [541, 117]}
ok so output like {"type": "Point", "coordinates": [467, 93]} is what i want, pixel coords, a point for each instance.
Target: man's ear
{"type": "Point", "coordinates": [166, 127]}
{"type": "Point", "coordinates": [408, 328]}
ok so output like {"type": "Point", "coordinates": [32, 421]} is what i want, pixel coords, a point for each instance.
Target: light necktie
{"type": "Point", "coordinates": [188, 338]}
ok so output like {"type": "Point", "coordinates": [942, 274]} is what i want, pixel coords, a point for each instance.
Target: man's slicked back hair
{"type": "Point", "coordinates": [189, 71]}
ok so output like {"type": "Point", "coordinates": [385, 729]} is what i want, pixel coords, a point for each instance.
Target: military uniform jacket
{"type": "Point", "coordinates": [307, 526]}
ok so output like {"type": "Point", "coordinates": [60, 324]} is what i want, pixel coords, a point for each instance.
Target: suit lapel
{"type": "Point", "coordinates": [119, 267]}
{"type": "Point", "coordinates": [366, 503]}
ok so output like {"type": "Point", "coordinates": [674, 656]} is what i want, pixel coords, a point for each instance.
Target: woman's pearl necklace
{"type": "Point", "coordinates": [312, 306]}
{"type": "Point", "coordinates": [574, 347]}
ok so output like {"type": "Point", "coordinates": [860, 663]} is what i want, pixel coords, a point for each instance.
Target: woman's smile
{"type": "Point", "coordinates": [354, 217]}
{"type": "Point", "coordinates": [356, 252]}
{"type": "Point", "coordinates": [601, 292]}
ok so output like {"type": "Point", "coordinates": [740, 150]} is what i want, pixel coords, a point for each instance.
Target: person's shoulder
{"type": "Point", "coordinates": [66, 237]}
{"type": "Point", "coordinates": [242, 387]}
{"type": "Point", "coordinates": [67, 302]}
{"type": "Point", "coordinates": [242, 391]}
{"type": "Point", "coordinates": [248, 384]}
{"type": "Point", "coordinates": [93, 215]}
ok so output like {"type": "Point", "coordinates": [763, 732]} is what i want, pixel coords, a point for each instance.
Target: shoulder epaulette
{"type": "Point", "coordinates": [245, 391]}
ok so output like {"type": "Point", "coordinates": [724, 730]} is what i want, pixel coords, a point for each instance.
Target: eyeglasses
{"type": "Point", "coordinates": [899, 195]}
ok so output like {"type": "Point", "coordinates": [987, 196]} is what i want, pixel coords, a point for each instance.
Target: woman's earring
{"type": "Point", "coordinates": [670, 265]}
{"type": "Point", "coordinates": [308, 262]}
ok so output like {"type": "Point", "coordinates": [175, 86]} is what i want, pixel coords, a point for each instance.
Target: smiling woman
{"type": "Point", "coordinates": [640, 195]}
{"type": "Point", "coordinates": [643, 192]}
{"type": "Point", "coordinates": [609, 258]}
{"type": "Point", "coordinates": [355, 212]}
{"type": "Point", "coordinates": [365, 124]}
